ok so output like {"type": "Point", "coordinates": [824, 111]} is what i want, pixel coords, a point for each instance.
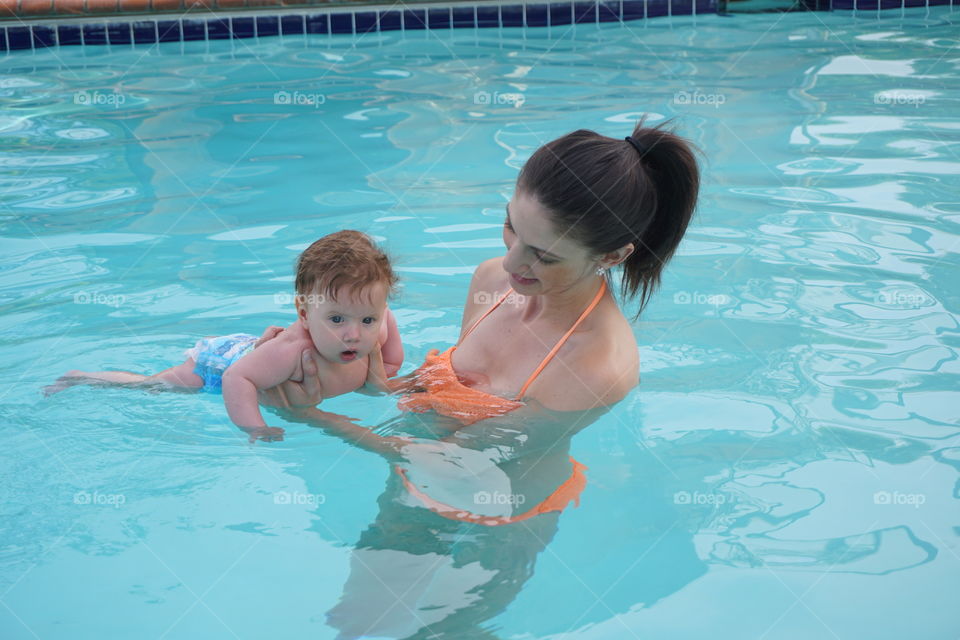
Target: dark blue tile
{"type": "Point", "coordinates": [94, 34]}
{"type": "Point", "coordinates": [610, 11]}
{"type": "Point", "coordinates": [43, 36]}
{"type": "Point", "coordinates": [194, 30]}
{"type": "Point", "coordinates": [366, 21]}
{"type": "Point", "coordinates": [632, 9]}
{"type": "Point", "coordinates": [657, 8]}
{"type": "Point", "coordinates": [168, 30]}
{"type": "Point", "coordinates": [681, 7]}
{"type": "Point", "coordinates": [242, 27]}
{"type": "Point", "coordinates": [268, 26]}
{"type": "Point", "coordinates": [144, 32]}
{"type": "Point", "coordinates": [3, 39]}
{"type": "Point", "coordinates": [339, 23]}
{"type": "Point", "coordinates": [119, 33]}
{"type": "Point", "coordinates": [890, 4]}
{"type": "Point", "coordinates": [66, 34]}
{"type": "Point", "coordinates": [438, 18]}
{"type": "Point", "coordinates": [463, 17]}
{"type": "Point", "coordinates": [907, 3]}
{"type": "Point", "coordinates": [415, 19]}
{"type": "Point", "coordinates": [536, 15]}
{"type": "Point", "coordinates": [488, 17]}
{"type": "Point", "coordinates": [584, 12]}
{"type": "Point", "coordinates": [320, 23]}
{"type": "Point", "coordinates": [218, 29]}
{"type": "Point", "coordinates": [561, 13]}
{"type": "Point", "coordinates": [291, 25]}
{"type": "Point", "coordinates": [709, 6]}
{"type": "Point", "coordinates": [19, 38]}
{"type": "Point", "coordinates": [512, 15]}
{"type": "Point", "coordinates": [867, 5]}
{"type": "Point", "coordinates": [391, 20]}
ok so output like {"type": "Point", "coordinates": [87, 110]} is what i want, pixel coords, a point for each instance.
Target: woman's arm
{"type": "Point", "coordinates": [390, 447]}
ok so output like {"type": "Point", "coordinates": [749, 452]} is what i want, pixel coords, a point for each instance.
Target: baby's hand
{"type": "Point", "coordinates": [267, 434]}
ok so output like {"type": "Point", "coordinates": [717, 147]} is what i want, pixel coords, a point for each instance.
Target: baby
{"type": "Point", "coordinates": [342, 285]}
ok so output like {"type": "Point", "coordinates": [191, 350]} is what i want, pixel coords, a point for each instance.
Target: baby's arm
{"type": "Point", "coordinates": [390, 344]}
{"type": "Point", "coordinates": [268, 365]}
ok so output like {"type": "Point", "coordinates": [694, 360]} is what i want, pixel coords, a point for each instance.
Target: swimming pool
{"type": "Point", "coordinates": [787, 468]}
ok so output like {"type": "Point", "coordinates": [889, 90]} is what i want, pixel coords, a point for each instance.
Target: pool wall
{"type": "Point", "coordinates": [37, 24]}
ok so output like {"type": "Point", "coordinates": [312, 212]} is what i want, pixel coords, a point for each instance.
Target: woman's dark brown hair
{"type": "Point", "coordinates": [605, 193]}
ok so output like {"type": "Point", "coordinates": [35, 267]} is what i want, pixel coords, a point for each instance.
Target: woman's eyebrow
{"type": "Point", "coordinates": [544, 252]}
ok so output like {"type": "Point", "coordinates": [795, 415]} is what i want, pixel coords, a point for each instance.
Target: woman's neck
{"type": "Point", "coordinates": [562, 307]}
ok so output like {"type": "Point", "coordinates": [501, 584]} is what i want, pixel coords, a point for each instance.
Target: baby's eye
{"type": "Point", "coordinates": [369, 320]}
{"type": "Point", "coordinates": [336, 319]}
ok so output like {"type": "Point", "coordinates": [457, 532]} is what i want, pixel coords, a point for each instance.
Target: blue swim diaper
{"type": "Point", "coordinates": [214, 354]}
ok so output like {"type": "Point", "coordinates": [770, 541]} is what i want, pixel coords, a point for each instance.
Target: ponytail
{"type": "Point", "coordinates": [670, 171]}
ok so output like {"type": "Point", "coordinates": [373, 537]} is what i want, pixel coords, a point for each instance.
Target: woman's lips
{"type": "Point", "coordinates": [522, 280]}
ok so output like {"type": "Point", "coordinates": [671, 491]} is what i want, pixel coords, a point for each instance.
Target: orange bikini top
{"type": "Point", "coordinates": [444, 393]}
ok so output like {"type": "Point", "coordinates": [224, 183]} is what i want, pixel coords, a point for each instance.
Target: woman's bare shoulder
{"type": "Point", "coordinates": [489, 273]}
{"type": "Point", "coordinates": [600, 367]}
{"type": "Point", "coordinates": [489, 280]}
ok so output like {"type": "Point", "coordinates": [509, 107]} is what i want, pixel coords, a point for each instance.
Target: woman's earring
{"type": "Point", "coordinates": [600, 271]}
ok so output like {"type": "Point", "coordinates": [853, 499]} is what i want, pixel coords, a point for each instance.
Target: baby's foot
{"type": "Point", "coordinates": [69, 379]}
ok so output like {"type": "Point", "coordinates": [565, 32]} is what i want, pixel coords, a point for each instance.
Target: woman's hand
{"type": "Point", "coordinates": [269, 333]}
{"type": "Point", "coordinates": [296, 396]}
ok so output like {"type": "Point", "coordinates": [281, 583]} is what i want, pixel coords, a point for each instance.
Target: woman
{"type": "Point", "coordinates": [544, 350]}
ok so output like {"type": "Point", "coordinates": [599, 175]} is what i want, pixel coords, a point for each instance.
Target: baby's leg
{"type": "Point", "coordinates": [180, 376]}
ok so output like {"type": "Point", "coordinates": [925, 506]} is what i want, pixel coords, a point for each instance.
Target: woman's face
{"type": "Point", "coordinates": [540, 259]}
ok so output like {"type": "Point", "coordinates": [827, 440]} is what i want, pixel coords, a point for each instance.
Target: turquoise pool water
{"type": "Point", "coordinates": [787, 469]}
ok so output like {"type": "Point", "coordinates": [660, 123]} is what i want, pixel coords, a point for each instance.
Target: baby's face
{"type": "Point", "coordinates": [346, 328]}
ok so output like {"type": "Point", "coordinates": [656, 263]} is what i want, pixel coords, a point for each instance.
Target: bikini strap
{"type": "Point", "coordinates": [556, 347]}
{"type": "Point", "coordinates": [486, 313]}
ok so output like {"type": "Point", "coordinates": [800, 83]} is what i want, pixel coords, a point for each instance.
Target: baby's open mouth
{"type": "Point", "coordinates": [348, 355]}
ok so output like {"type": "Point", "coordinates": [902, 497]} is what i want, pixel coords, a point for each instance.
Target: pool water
{"type": "Point", "coordinates": [787, 468]}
